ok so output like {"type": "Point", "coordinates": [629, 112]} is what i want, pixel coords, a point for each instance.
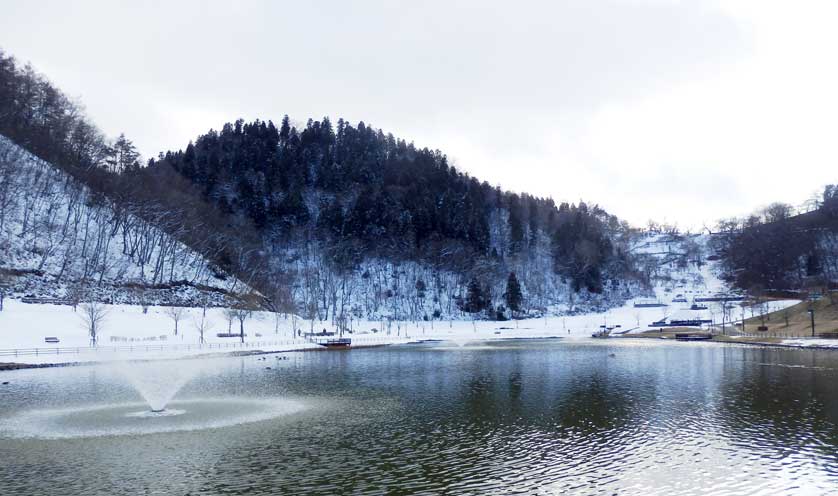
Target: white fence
{"type": "Point", "coordinates": [286, 345]}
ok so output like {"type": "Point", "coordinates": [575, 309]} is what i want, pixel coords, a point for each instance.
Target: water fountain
{"type": "Point", "coordinates": [466, 343]}
{"type": "Point", "coordinates": [461, 342]}
{"type": "Point", "coordinates": [158, 383]}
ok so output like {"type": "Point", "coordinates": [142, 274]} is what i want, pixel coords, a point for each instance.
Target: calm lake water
{"type": "Point", "coordinates": [517, 417]}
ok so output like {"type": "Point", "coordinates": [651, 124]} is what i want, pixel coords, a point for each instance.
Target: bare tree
{"type": "Point", "coordinates": [93, 314]}
{"type": "Point", "coordinates": [5, 284]}
{"type": "Point", "coordinates": [230, 316]}
{"type": "Point", "coordinates": [74, 295]}
{"type": "Point", "coordinates": [758, 301]}
{"type": "Point", "coordinates": [289, 306]}
{"type": "Point", "coordinates": [176, 314]}
{"type": "Point", "coordinates": [727, 308]}
{"type": "Point", "coordinates": [241, 314]}
{"type": "Point", "coordinates": [142, 296]}
{"type": "Point", "coordinates": [200, 321]}
{"type": "Point", "coordinates": [277, 319]}
{"type": "Point", "coordinates": [294, 330]}
{"type": "Point", "coordinates": [777, 212]}
{"type": "Point", "coordinates": [283, 305]}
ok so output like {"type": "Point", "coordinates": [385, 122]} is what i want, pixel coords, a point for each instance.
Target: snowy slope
{"type": "Point", "coordinates": [379, 289]}
{"type": "Point", "coordinates": [678, 264]}
{"type": "Point", "coordinates": [680, 269]}
{"type": "Point", "coordinates": [55, 236]}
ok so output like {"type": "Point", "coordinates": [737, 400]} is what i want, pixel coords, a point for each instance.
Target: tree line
{"type": "Point", "coordinates": [774, 249]}
{"type": "Point", "coordinates": [368, 193]}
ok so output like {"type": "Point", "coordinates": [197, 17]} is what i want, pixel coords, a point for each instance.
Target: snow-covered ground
{"type": "Point", "coordinates": [680, 271]}
{"type": "Point", "coordinates": [678, 266]}
{"type": "Point", "coordinates": [24, 326]}
{"type": "Point", "coordinates": [127, 332]}
{"type": "Point", "coordinates": [811, 342]}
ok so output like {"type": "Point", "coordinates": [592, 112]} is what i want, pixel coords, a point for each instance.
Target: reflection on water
{"type": "Point", "coordinates": [520, 417]}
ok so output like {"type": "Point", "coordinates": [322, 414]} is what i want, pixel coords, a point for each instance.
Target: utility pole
{"type": "Point", "coordinates": [812, 315]}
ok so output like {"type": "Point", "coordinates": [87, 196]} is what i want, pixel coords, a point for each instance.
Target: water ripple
{"type": "Point", "coordinates": [529, 419]}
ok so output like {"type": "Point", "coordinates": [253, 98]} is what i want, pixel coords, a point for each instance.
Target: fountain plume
{"type": "Point", "coordinates": [159, 381]}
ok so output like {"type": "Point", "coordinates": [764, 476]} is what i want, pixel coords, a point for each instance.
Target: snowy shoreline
{"type": "Point", "coordinates": [796, 343]}
{"type": "Point", "coordinates": [304, 346]}
{"type": "Point", "coordinates": [130, 333]}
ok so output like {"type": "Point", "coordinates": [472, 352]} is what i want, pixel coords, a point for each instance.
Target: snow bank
{"type": "Point", "coordinates": [811, 342]}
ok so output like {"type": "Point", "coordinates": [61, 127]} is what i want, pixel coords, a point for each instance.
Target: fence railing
{"type": "Point", "coordinates": [140, 348]}
{"type": "Point", "coordinates": [786, 335]}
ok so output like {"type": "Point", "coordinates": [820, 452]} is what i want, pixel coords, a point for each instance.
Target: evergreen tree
{"type": "Point", "coordinates": [513, 295]}
{"type": "Point", "coordinates": [285, 128]}
{"type": "Point", "coordinates": [475, 301]}
{"type": "Point", "coordinates": [123, 156]}
{"type": "Point", "coordinates": [516, 227]}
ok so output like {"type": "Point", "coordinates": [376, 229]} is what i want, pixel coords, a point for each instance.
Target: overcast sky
{"type": "Point", "coordinates": [678, 111]}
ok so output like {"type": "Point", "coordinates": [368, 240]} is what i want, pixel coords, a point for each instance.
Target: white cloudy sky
{"type": "Point", "coordinates": [683, 111]}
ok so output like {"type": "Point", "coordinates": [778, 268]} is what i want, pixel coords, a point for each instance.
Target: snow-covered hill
{"type": "Point", "coordinates": [679, 264]}
{"type": "Point", "coordinates": [379, 289]}
{"type": "Point", "coordinates": [57, 239]}
{"type": "Point", "coordinates": [678, 268]}
{"type": "Point", "coordinates": [684, 274]}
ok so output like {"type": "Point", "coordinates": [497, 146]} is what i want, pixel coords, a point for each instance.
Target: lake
{"type": "Point", "coordinates": [583, 416]}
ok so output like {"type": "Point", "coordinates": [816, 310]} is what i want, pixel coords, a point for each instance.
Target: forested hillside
{"type": "Point", "coordinates": [345, 209]}
{"type": "Point", "coordinates": [776, 250]}
{"type": "Point", "coordinates": [337, 221]}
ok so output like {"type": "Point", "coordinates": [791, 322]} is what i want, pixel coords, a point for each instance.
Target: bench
{"type": "Point", "coordinates": [51, 340]}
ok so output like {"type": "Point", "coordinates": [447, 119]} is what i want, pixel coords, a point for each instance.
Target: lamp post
{"type": "Point", "coordinates": [812, 316]}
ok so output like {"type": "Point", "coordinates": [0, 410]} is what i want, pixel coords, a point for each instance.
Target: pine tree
{"type": "Point", "coordinates": [122, 156]}
{"type": "Point", "coordinates": [513, 295]}
{"type": "Point", "coordinates": [285, 128]}
{"type": "Point", "coordinates": [475, 301]}
{"type": "Point", "coordinates": [516, 227]}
